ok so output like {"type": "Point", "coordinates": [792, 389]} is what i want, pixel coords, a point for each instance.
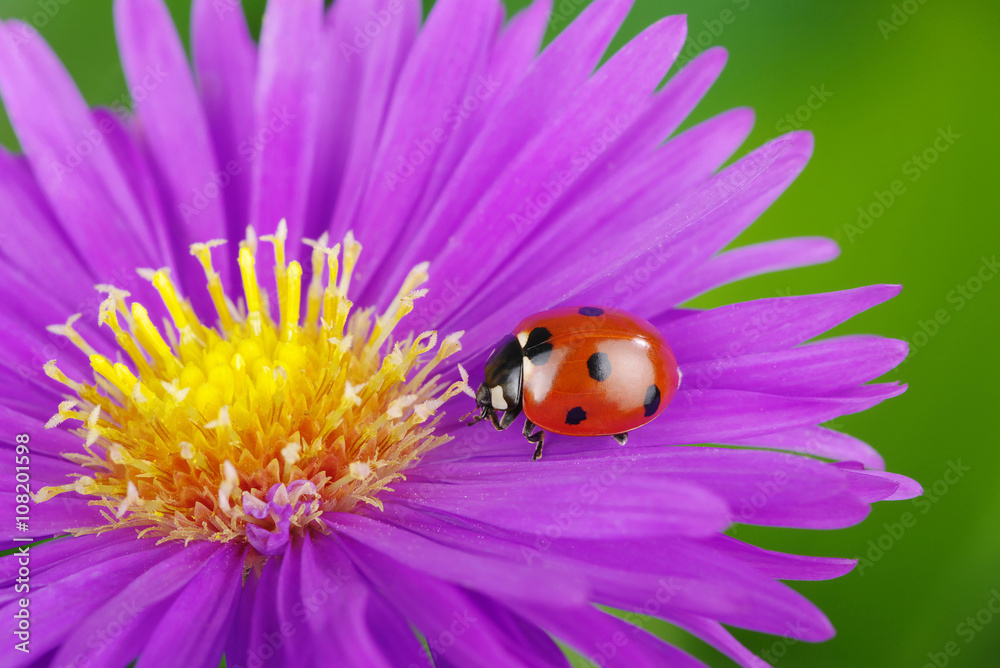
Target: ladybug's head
{"type": "Point", "coordinates": [501, 389]}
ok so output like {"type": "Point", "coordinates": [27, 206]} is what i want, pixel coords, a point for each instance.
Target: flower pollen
{"type": "Point", "coordinates": [254, 428]}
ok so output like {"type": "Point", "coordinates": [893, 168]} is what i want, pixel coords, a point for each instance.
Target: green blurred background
{"type": "Point", "coordinates": [889, 87]}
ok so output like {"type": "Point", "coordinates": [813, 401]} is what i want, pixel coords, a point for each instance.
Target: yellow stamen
{"type": "Point", "coordinates": [352, 250]}
{"type": "Point", "coordinates": [293, 300]}
{"type": "Point", "coordinates": [163, 284]}
{"type": "Point", "coordinates": [200, 417]}
{"type": "Point", "coordinates": [315, 295]}
{"type": "Point", "coordinates": [204, 254]}
{"type": "Point", "coordinates": [71, 334]}
{"type": "Point", "coordinates": [151, 339]}
{"type": "Point", "coordinates": [117, 297]}
{"type": "Point", "coordinates": [53, 372]}
{"type": "Point", "coordinates": [278, 241]}
{"type": "Point", "coordinates": [251, 289]}
{"type": "Point", "coordinates": [109, 317]}
{"type": "Point", "coordinates": [331, 298]}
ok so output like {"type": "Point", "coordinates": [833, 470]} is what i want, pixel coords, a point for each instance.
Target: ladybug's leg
{"type": "Point", "coordinates": [538, 437]}
{"type": "Point", "coordinates": [494, 420]}
{"type": "Point", "coordinates": [621, 438]}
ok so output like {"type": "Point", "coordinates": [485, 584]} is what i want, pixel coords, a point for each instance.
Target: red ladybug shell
{"type": "Point", "coordinates": [589, 371]}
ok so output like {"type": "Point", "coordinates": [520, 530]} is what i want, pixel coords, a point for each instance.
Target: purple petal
{"type": "Point", "coordinates": [33, 241]}
{"type": "Point", "coordinates": [256, 598]}
{"type": "Point", "coordinates": [254, 507]}
{"type": "Point", "coordinates": [23, 391]}
{"type": "Point", "coordinates": [605, 108]}
{"type": "Point", "coordinates": [192, 632]}
{"type": "Point", "coordinates": [740, 193]}
{"type": "Point", "coordinates": [73, 164]}
{"type": "Point", "coordinates": [574, 503]}
{"type": "Point", "coordinates": [55, 516]}
{"type": "Point", "coordinates": [503, 69]}
{"type": "Point", "coordinates": [819, 442]}
{"type": "Point", "coordinates": [56, 609]}
{"type": "Point", "coordinates": [547, 87]}
{"type": "Point", "coordinates": [666, 109]}
{"type": "Point", "coordinates": [765, 325]}
{"type": "Point", "coordinates": [685, 576]}
{"type": "Point", "coordinates": [57, 566]}
{"type": "Point", "coordinates": [144, 186]}
{"type": "Point", "coordinates": [678, 573]}
{"type": "Point", "coordinates": [535, 645]}
{"type": "Point", "coordinates": [469, 570]}
{"type": "Point", "coordinates": [338, 69]}
{"type": "Point", "coordinates": [134, 612]}
{"type": "Point", "coordinates": [780, 566]}
{"type": "Point", "coordinates": [818, 369]}
{"type": "Point", "coordinates": [625, 193]}
{"type": "Point", "coordinates": [716, 635]}
{"type": "Point", "coordinates": [286, 110]}
{"type": "Point", "coordinates": [457, 628]}
{"type": "Point", "coordinates": [721, 416]}
{"type": "Point", "coordinates": [607, 640]}
{"type": "Point", "coordinates": [518, 45]}
{"type": "Point", "coordinates": [748, 261]}
{"type": "Point", "coordinates": [225, 59]}
{"type": "Point", "coordinates": [43, 469]}
{"type": "Point", "coordinates": [27, 345]}
{"type": "Point", "coordinates": [872, 486]}
{"type": "Point", "coordinates": [54, 444]}
{"type": "Point", "coordinates": [47, 555]}
{"type": "Point", "coordinates": [373, 72]}
{"type": "Point", "coordinates": [639, 155]}
{"type": "Point", "coordinates": [767, 488]}
{"type": "Point", "coordinates": [341, 613]}
{"type": "Point", "coordinates": [268, 542]}
{"type": "Point", "coordinates": [415, 117]}
{"type": "Point", "coordinates": [174, 131]}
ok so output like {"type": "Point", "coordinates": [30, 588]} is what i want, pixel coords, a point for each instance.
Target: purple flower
{"type": "Point", "coordinates": [247, 463]}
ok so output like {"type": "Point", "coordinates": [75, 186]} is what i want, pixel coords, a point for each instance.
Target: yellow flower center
{"type": "Point", "coordinates": [253, 428]}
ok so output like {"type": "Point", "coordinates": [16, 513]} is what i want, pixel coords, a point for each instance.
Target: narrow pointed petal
{"type": "Point", "coordinates": [286, 113]}
{"type": "Point", "coordinates": [550, 82]}
{"type": "Point", "coordinates": [766, 324]}
{"type": "Point", "coordinates": [174, 130]}
{"type": "Point", "coordinates": [465, 569]}
{"type": "Point", "coordinates": [137, 610]}
{"type": "Point", "coordinates": [588, 630]}
{"type": "Point", "coordinates": [89, 194]}
{"type": "Point", "coordinates": [639, 505]}
{"type": "Point", "coordinates": [194, 628]}
{"type": "Point", "coordinates": [225, 60]}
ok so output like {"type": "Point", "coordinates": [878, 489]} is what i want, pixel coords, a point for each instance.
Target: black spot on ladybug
{"type": "Point", "coordinates": [576, 416]}
{"type": "Point", "coordinates": [591, 311]}
{"type": "Point", "coordinates": [652, 401]}
{"type": "Point", "coordinates": [536, 347]}
{"type": "Point", "coordinates": [538, 336]}
{"type": "Point", "coordinates": [539, 355]}
{"type": "Point", "coordinates": [599, 366]}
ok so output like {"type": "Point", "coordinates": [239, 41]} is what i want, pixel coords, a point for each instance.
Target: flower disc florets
{"type": "Point", "coordinates": [253, 428]}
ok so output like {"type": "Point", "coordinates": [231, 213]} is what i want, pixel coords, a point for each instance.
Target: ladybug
{"type": "Point", "coordinates": [578, 371]}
